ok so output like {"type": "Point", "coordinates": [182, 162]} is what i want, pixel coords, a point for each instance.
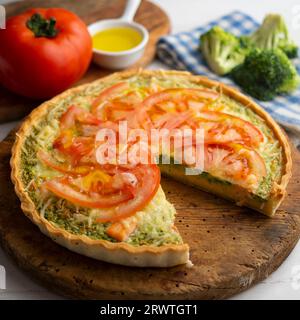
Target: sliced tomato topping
{"type": "Point", "coordinates": [139, 119]}
{"type": "Point", "coordinates": [64, 188]}
{"type": "Point", "coordinates": [196, 106]}
{"type": "Point", "coordinates": [125, 180]}
{"type": "Point", "coordinates": [175, 96]}
{"type": "Point", "coordinates": [74, 114]}
{"type": "Point", "coordinates": [118, 108]}
{"type": "Point", "coordinates": [46, 159]}
{"type": "Point", "coordinates": [148, 182]}
{"type": "Point", "coordinates": [235, 163]}
{"type": "Point", "coordinates": [89, 130]}
{"type": "Point", "coordinates": [74, 147]}
{"type": "Point", "coordinates": [222, 127]}
{"type": "Point", "coordinates": [115, 114]}
{"type": "Point", "coordinates": [68, 142]}
{"type": "Point", "coordinates": [122, 195]}
{"type": "Point", "coordinates": [124, 102]}
{"type": "Point", "coordinates": [172, 121]}
{"type": "Point", "coordinates": [108, 94]}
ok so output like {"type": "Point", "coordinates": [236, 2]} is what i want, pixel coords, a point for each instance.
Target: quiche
{"type": "Point", "coordinates": [116, 211]}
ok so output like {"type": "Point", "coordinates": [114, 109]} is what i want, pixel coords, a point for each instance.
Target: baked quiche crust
{"type": "Point", "coordinates": [145, 255]}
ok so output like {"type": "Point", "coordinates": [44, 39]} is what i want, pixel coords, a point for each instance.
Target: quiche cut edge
{"type": "Point", "coordinates": [146, 255]}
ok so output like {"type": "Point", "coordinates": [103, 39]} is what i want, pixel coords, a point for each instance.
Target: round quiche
{"type": "Point", "coordinates": [117, 211]}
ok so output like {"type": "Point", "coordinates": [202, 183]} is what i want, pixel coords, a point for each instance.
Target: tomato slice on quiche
{"type": "Point", "coordinates": [117, 211]}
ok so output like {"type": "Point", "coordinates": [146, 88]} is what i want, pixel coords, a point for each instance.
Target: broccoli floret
{"type": "Point", "coordinates": [291, 50]}
{"type": "Point", "coordinates": [273, 33]}
{"type": "Point", "coordinates": [221, 50]}
{"type": "Point", "coordinates": [266, 73]}
{"type": "Point", "coordinates": [246, 43]}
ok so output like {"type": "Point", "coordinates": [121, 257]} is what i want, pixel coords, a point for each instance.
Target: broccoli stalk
{"type": "Point", "coordinates": [221, 50]}
{"type": "Point", "coordinates": [266, 73]}
{"type": "Point", "coordinates": [273, 33]}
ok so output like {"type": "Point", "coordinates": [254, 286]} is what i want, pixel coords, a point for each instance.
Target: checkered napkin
{"type": "Point", "coordinates": [180, 51]}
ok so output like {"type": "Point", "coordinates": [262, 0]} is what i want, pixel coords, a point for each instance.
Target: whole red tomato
{"type": "Point", "coordinates": [43, 52]}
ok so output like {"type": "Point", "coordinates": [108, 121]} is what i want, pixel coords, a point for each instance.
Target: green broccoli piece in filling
{"type": "Point", "coordinates": [266, 73]}
{"type": "Point", "coordinates": [273, 33]}
{"type": "Point", "coordinates": [222, 50]}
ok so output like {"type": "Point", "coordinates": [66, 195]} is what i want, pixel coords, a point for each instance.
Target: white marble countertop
{"type": "Point", "coordinates": [284, 283]}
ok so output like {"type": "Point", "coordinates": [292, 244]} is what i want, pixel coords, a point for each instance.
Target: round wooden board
{"type": "Point", "coordinates": [231, 247]}
{"type": "Point", "coordinates": [156, 21]}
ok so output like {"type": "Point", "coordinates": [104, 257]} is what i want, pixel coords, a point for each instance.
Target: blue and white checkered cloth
{"type": "Point", "coordinates": [180, 51]}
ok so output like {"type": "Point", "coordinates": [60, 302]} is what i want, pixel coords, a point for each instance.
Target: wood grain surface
{"type": "Point", "coordinates": [231, 247]}
{"type": "Point", "coordinates": [156, 21]}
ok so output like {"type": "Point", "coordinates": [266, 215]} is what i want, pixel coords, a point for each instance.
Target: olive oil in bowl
{"type": "Point", "coordinates": [116, 39]}
{"type": "Point", "coordinates": [117, 44]}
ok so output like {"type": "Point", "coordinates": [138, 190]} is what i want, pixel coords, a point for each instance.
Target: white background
{"type": "Point", "coordinates": [186, 15]}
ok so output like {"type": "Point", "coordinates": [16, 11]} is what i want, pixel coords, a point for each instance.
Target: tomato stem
{"type": "Point", "coordinates": [42, 27]}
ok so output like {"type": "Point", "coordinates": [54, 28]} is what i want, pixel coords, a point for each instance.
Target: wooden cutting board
{"type": "Point", "coordinates": [14, 107]}
{"type": "Point", "coordinates": [231, 247]}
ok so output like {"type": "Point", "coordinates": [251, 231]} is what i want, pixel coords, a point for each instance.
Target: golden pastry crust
{"type": "Point", "coordinates": [123, 253]}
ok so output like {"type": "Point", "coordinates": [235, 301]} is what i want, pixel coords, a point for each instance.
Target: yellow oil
{"type": "Point", "coordinates": [116, 39]}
